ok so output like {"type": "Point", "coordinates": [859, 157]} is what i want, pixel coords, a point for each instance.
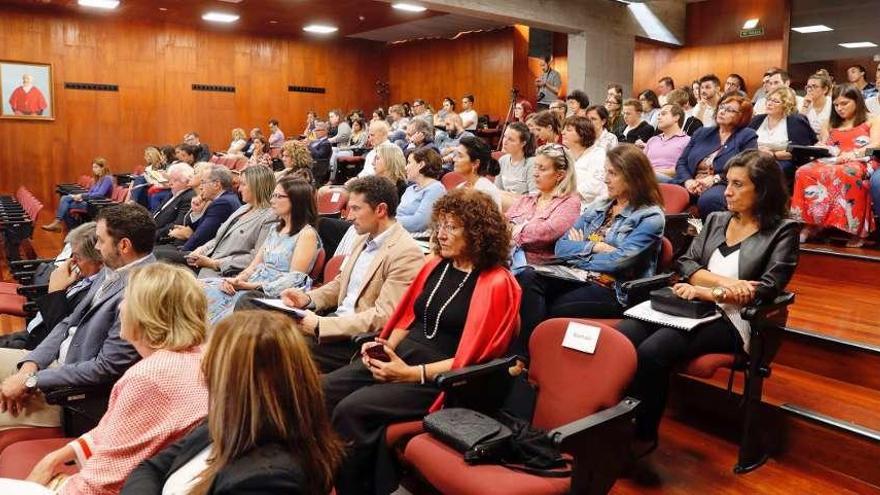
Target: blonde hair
{"type": "Point", "coordinates": [300, 154]}
{"type": "Point", "coordinates": [264, 387]}
{"type": "Point", "coordinates": [261, 182]}
{"type": "Point", "coordinates": [165, 307]}
{"type": "Point", "coordinates": [788, 97]}
{"type": "Point", "coordinates": [154, 157]}
{"type": "Point", "coordinates": [238, 133]}
{"type": "Point", "coordinates": [395, 163]}
{"type": "Point", "coordinates": [562, 161]}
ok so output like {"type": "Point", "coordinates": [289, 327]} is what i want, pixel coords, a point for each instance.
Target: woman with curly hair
{"type": "Point", "coordinates": [460, 310]}
{"type": "Point", "coordinates": [295, 155]}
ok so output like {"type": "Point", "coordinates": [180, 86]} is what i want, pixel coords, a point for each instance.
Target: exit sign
{"type": "Point", "coordinates": [751, 33]}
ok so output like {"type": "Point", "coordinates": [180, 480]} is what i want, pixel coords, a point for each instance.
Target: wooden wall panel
{"type": "Point", "coordinates": [155, 66]}
{"type": "Point", "coordinates": [713, 44]}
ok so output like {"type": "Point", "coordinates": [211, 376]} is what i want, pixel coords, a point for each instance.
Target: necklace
{"type": "Point", "coordinates": [442, 308]}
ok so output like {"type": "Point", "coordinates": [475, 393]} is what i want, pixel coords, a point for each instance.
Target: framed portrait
{"type": "Point", "coordinates": [26, 90]}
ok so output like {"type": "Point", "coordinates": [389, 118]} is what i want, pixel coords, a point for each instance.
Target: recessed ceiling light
{"type": "Point", "coordinates": [320, 29]}
{"type": "Point", "coordinates": [163, 9]}
{"type": "Point", "coordinates": [859, 44]}
{"type": "Point", "coordinates": [273, 22]}
{"type": "Point", "coordinates": [409, 7]}
{"type": "Point", "coordinates": [751, 24]}
{"type": "Point", "coordinates": [220, 17]}
{"type": "Point", "coordinates": [100, 4]}
{"type": "Point", "coordinates": [818, 28]}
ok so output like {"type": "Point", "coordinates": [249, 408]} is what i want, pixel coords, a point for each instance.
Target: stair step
{"type": "Point", "coordinates": [831, 357]}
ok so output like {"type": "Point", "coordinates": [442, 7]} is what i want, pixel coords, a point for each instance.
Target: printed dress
{"type": "Point", "coordinates": [837, 194]}
{"type": "Point", "coordinates": [273, 274]}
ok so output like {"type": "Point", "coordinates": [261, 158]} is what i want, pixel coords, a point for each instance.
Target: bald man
{"type": "Point", "coordinates": [27, 99]}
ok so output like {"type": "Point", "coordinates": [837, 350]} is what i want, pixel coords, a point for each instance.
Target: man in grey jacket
{"type": "Point", "coordinates": [85, 349]}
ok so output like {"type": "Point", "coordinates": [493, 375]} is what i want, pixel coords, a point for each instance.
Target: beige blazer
{"type": "Point", "coordinates": [388, 277]}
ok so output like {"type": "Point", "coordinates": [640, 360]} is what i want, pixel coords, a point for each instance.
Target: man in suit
{"type": "Point", "coordinates": [217, 190]}
{"type": "Point", "coordinates": [372, 281]}
{"type": "Point", "coordinates": [85, 349]}
{"type": "Point", "coordinates": [321, 148]}
{"type": "Point", "coordinates": [203, 154]}
{"type": "Point", "coordinates": [68, 285]}
{"type": "Point", "coordinates": [173, 211]}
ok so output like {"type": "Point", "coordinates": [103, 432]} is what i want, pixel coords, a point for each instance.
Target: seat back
{"type": "Point", "coordinates": [676, 199]}
{"type": "Point", "coordinates": [667, 254]}
{"type": "Point", "coordinates": [318, 267]}
{"type": "Point", "coordinates": [333, 267]}
{"type": "Point", "coordinates": [86, 181]}
{"type": "Point", "coordinates": [332, 201]}
{"type": "Point", "coordinates": [119, 194]}
{"type": "Point", "coordinates": [572, 384]}
{"type": "Point", "coordinates": [451, 180]}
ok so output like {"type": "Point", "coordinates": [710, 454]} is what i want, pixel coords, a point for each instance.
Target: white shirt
{"type": "Point", "coordinates": [822, 117]}
{"type": "Point", "coordinates": [185, 477]}
{"type": "Point", "coordinates": [728, 266]}
{"type": "Point", "coordinates": [487, 186]}
{"type": "Point", "coordinates": [469, 118]}
{"type": "Point", "coordinates": [775, 138]}
{"type": "Point", "coordinates": [359, 272]}
{"type": "Point", "coordinates": [705, 114]}
{"type": "Point", "coordinates": [873, 108]}
{"type": "Point", "coordinates": [589, 170]}
{"type": "Point", "coordinates": [370, 160]}
{"type": "Point", "coordinates": [607, 140]}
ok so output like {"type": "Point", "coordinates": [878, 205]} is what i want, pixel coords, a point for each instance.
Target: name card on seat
{"type": "Point", "coordinates": [335, 197]}
{"type": "Point", "coordinates": [581, 337]}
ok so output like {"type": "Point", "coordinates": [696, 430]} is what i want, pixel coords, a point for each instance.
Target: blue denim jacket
{"type": "Point", "coordinates": [636, 234]}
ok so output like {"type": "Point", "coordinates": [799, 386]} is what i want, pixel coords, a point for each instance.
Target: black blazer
{"type": "Point", "coordinates": [799, 132]}
{"type": "Point", "coordinates": [643, 131]}
{"type": "Point", "coordinates": [321, 149]}
{"type": "Point", "coordinates": [770, 256]}
{"type": "Point", "coordinates": [691, 125]}
{"type": "Point", "coordinates": [268, 469]}
{"type": "Point", "coordinates": [173, 214]}
{"type": "Point", "coordinates": [54, 306]}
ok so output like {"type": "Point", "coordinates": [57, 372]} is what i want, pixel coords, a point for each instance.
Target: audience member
{"type": "Point", "coordinates": [343, 129]}
{"type": "Point", "coordinates": [616, 240]}
{"type": "Point", "coordinates": [547, 128]}
{"type": "Point", "coordinates": [558, 109]}
{"type": "Point", "coordinates": [249, 147]}
{"type": "Point", "coordinates": [173, 211]}
{"type": "Point", "coordinates": [761, 92]}
{"type": "Point", "coordinates": [311, 117]}
{"type": "Point", "coordinates": [710, 97]}
{"type": "Point", "coordinates": [541, 217]}
{"type": "Point", "coordinates": [548, 85]}
{"type": "Point", "coordinates": [240, 236]}
{"type": "Point", "coordinates": [398, 119]}
{"type": "Point", "coordinates": [188, 154]}
{"type": "Point", "coordinates": [168, 154]}
{"type": "Point", "coordinates": [356, 143]}
{"type": "Point", "coordinates": [855, 74]}
{"type": "Point", "coordinates": [598, 116]}
{"type": "Point", "coordinates": [203, 152]}
{"type": "Point", "coordinates": [102, 188]}
{"type": "Point", "coordinates": [650, 107]}
{"type": "Point", "coordinates": [418, 135]}
{"type": "Point", "coordinates": [615, 90]}
{"type": "Point", "coordinates": [261, 380]}
{"type": "Point", "coordinates": [220, 202]}
{"type": "Point", "coordinates": [284, 260]}
{"type": "Point", "coordinates": [664, 149]}
{"type": "Point", "coordinates": [781, 126]}
{"type": "Point", "coordinates": [516, 177]}
{"type": "Point", "coordinates": [742, 256]}
{"type": "Point", "coordinates": [685, 99]}
{"type": "Point", "coordinates": [239, 142]}
{"type": "Point", "coordinates": [295, 156]}
{"type": "Point", "coordinates": [577, 102]}
{"type": "Point", "coordinates": [873, 103]}
{"type": "Point", "coordinates": [391, 164]}
{"type": "Point", "coordinates": [778, 78]}
{"type": "Point", "coordinates": [521, 111]}
{"type": "Point", "coordinates": [320, 147]}
{"type": "Point", "coordinates": [460, 310]}
{"type": "Point", "coordinates": [588, 158]}
{"type": "Point", "coordinates": [735, 84]}
{"type": "Point", "coordinates": [84, 349]}
{"type": "Point", "coordinates": [379, 114]}
{"type": "Point", "coordinates": [420, 112]}
{"type": "Point", "coordinates": [378, 136]}
{"type": "Point", "coordinates": [833, 193]}
{"type": "Point", "coordinates": [664, 86]}
{"type": "Point", "coordinates": [637, 131]}
{"type": "Point", "coordinates": [701, 165]}
{"type": "Point", "coordinates": [817, 104]}
{"type": "Point", "coordinates": [151, 188]}
{"type": "Point", "coordinates": [468, 114]}
{"type": "Point", "coordinates": [276, 135]}
{"type": "Point", "coordinates": [260, 153]}
{"type": "Point", "coordinates": [424, 167]}
{"type": "Point", "coordinates": [447, 107]}
{"type": "Point", "coordinates": [614, 105]}
{"type": "Point", "coordinates": [473, 160]}
{"type": "Point", "coordinates": [158, 400]}
{"type": "Point", "coordinates": [455, 132]}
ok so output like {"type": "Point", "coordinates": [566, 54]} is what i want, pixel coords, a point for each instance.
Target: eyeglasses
{"type": "Point", "coordinates": [279, 196]}
{"type": "Point", "coordinates": [774, 100]}
{"type": "Point", "coordinates": [728, 109]}
{"type": "Point", "coordinates": [450, 228]}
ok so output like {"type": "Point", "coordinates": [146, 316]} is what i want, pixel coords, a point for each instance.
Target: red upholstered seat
{"type": "Point", "coordinates": [12, 304]}
{"type": "Point", "coordinates": [676, 199]}
{"type": "Point", "coordinates": [332, 201]}
{"type": "Point", "coordinates": [15, 435]}
{"type": "Point", "coordinates": [451, 180]}
{"type": "Point", "coordinates": [706, 365]}
{"type": "Point", "coordinates": [398, 434]}
{"type": "Point", "coordinates": [332, 268]}
{"type": "Point", "coordinates": [9, 287]}
{"type": "Point", "coordinates": [19, 459]}
{"type": "Point", "coordinates": [318, 268]}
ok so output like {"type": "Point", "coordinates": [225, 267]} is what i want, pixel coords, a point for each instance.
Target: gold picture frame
{"type": "Point", "coordinates": [26, 90]}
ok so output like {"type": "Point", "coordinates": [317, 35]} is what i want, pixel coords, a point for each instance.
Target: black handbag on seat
{"type": "Point", "coordinates": [480, 438]}
{"type": "Point", "coordinates": [665, 301]}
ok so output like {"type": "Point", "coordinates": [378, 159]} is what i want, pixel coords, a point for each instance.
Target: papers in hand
{"type": "Point", "coordinates": [277, 304]}
{"type": "Point", "coordinates": [644, 312]}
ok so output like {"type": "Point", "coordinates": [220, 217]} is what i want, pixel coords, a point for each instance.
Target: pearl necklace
{"type": "Point", "coordinates": [442, 308]}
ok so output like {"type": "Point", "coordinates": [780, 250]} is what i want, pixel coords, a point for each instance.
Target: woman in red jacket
{"type": "Point", "coordinates": [460, 310]}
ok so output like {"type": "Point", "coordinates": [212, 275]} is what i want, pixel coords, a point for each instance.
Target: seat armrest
{"type": "Point", "coordinates": [639, 290]}
{"type": "Point", "coordinates": [362, 338]}
{"type": "Point", "coordinates": [32, 291]}
{"type": "Point", "coordinates": [25, 265]}
{"type": "Point", "coordinates": [482, 387]}
{"type": "Point", "coordinates": [568, 437]}
{"type": "Point", "coordinates": [453, 379]}
{"type": "Point", "coordinates": [67, 396]}
{"type": "Point", "coordinates": [769, 310]}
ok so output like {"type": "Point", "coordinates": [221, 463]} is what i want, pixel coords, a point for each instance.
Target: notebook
{"type": "Point", "coordinates": [277, 304]}
{"type": "Point", "coordinates": [644, 312]}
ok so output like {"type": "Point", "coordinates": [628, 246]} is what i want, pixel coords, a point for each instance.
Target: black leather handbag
{"type": "Point", "coordinates": [665, 301]}
{"type": "Point", "coordinates": [480, 438]}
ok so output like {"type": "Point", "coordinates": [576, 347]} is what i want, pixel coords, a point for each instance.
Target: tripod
{"type": "Point", "coordinates": [514, 95]}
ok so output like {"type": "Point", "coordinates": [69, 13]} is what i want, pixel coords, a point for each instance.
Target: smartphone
{"type": "Point", "coordinates": [378, 353]}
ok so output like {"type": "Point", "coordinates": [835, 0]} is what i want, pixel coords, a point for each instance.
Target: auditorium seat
{"type": "Point", "coordinates": [332, 202]}
{"type": "Point", "coordinates": [14, 435]}
{"type": "Point", "coordinates": [451, 180]}
{"type": "Point", "coordinates": [348, 167]}
{"type": "Point", "coordinates": [18, 459]}
{"type": "Point", "coordinates": [333, 267]}
{"type": "Point", "coordinates": [676, 199]}
{"type": "Point", "coordinates": [318, 267]}
{"type": "Point", "coordinates": [580, 403]}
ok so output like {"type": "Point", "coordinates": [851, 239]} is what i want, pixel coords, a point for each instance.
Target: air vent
{"type": "Point", "coordinates": [213, 87]}
{"type": "Point", "coordinates": [91, 86]}
{"type": "Point", "coordinates": [306, 89]}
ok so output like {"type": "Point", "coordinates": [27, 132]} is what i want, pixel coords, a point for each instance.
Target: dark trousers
{"type": "Point", "coordinates": [659, 350]}
{"type": "Point", "coordinates": [362, 408]}
{"type": "Point", "coordinates": [712, 200]}
{"type": "Point", "coordinates": [547, 297]}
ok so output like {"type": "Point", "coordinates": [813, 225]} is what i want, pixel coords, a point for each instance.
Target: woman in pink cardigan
{"type": "Point", "coordinates": [540, 218]}
{"type": "Point", "coordinates": [157, 400]}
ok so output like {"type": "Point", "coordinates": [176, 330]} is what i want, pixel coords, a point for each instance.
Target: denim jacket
{"type": "Point", "coordinates": [635, 234]}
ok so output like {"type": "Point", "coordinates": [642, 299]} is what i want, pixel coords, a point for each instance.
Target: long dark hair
{"type": "Point", "coordinates": [525, 135]}
{"type": "Point", "coordinates": [641, 181]}
{"type": "Point", "coordinates": [478, 150]}
{"type": "Point", "coordinates": [303, 209]}
{"type": "Point", "coordinates": [852, 93]}
{"type": "Point", "coordinates": [771, 194]}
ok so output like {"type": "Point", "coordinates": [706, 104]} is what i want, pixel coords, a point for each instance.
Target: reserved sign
{"type": "Point", "coordinates": [581, 337]}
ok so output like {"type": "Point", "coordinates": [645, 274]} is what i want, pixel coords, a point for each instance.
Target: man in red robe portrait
{"type": "Point", "coordinates": [27, 99]}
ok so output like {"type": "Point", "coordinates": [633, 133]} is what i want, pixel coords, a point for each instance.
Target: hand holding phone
{"type": "Point", "coordinates": [378, 353]}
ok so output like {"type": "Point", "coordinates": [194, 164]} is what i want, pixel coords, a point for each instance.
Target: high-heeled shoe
{"type": "Point", "coordinates": [855, 242]}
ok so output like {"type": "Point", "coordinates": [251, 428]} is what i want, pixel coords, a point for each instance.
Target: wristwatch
{"type": "Point", "coordinates": [716, 179]}
{"type": "Point", "coordinates": [718, 293]}
{"type": "Point", "coordinates": [30, 383]}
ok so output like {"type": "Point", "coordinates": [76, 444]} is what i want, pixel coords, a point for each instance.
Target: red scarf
{"type": "Point", "coordinates": [492, 319]}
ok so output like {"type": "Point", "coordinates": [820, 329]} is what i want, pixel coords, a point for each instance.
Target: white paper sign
{"type": "Point", "coordinates": [335, 197]}
{"type": "Point", "coordinates": [581, 337]}
{"type": "Point", "coordinates": [277, 304]}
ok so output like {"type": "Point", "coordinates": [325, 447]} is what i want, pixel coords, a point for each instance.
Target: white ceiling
{"type": "Point", "coordinates": [852, 20]}
{"type": "Point", "coordinates": [441, 26]}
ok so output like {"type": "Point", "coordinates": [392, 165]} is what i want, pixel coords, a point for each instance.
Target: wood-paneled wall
{"type": "Point", "coordinates": [155, 66]}
{"type": "Point", "coordinates": [713, 44]}
{"type": "Point", "coordinates": [526, 69]}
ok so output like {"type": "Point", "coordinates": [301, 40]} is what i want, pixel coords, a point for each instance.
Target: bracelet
{"type": "Point", "coordinates": [422, 374]}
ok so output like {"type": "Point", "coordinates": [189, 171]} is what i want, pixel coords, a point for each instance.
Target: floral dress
{"type": "Point", "coordinates": [273, 274]}
{"type": "Point", "coordinates": [837, 194]}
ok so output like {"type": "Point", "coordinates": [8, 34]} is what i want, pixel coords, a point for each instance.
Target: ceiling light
{"type": "Point", "coordinates": [100, 4]}
{"type": "Point", "coordinates": [750, 24]}
{"type": "Point", "coordinates": [859, 44]}
{"type": "Point", "coordinates": [409, 7]}
{"type": "Point", "coordinates": [220, 17]}
{"type": "Point", "coordinates": [818, 28]}
{"type": "Point", "coordinates": [320, 29]}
